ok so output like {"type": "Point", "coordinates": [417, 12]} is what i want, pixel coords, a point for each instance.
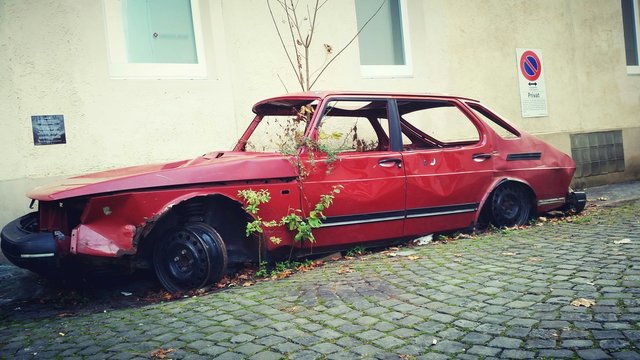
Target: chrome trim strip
{"type": "Point", "coordinates": [551, 201]}
{"type": "Point", "coordinates": [29, 256]}
{"type": "Point", "coordinates": [440, 213]}
{"type": "Point", "coordinates": [354, 222]}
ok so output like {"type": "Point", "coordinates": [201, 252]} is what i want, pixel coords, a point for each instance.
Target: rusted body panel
{"type": "Point", "coordinates": [111, 225]}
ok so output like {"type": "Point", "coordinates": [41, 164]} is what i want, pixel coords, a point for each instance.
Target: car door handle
{"type": "Point", "coordinates": [390, 162]}
{"type": "Point", "coordinates": [481, 157]}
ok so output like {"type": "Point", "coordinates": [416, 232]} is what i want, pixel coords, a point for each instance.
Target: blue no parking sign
{"type": "Point", "coordinates": [533, 94]}
{"type": "Point", "coordinates": [530, 65]}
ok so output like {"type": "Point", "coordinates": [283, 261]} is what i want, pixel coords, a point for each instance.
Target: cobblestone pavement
{"type": "Point", "coordinates": [504, 295]}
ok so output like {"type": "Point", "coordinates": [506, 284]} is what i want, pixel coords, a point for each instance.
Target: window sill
{"type": "Point", "coordinates": [633, 70]}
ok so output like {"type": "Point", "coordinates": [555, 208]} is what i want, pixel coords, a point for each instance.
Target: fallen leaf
{"type": "Point", "coordinates": [413, 257]}
{"type": "Point", "coordinates": [623, 241]}
{"type": "Point", "coordinates": [457, 255]}
{"type": "Point", "coordinates": [160, 353]}
{"type": "Point", "coordinates": [542, 218]}
{"type": "Point", "coordinates": [583, 302]}
{"type": "Point", "coordinates": [509, 253]}
{"type": "Point", "coordinates": [344, 269]}
{"type": "Point", "coordinates": [534, 259]}
{"type": "Point", "coordinates": [247, 283]}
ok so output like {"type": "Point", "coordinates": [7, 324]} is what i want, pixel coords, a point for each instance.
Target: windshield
{"type": "Point", "coordinates": [282, 126]}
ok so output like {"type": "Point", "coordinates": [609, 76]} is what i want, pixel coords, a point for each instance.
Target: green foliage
{"type": "Point", "coordinates": [293, 221]}
{"type": "Point", "coordinates": [582, 220]}
{"type": "Point", "coordinates": [355, 251]}
{"type": "Point", "coordinates": [253, 199]}
{"type": "Point", "coordinates": [281, 268]}
{"type": "Point", "coordinates": [262, 270]}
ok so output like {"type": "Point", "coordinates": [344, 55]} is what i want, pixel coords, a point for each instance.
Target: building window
{"type": "Point", "coordinates": [597, 153]}
{"type": "Point", "coordinates": [383, 42]}
{"type": "Point", "coordinates": [154, 39]}
{"type": "Point", "coordinates": [631, 26]}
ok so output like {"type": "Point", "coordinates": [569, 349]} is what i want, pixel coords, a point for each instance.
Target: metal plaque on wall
{"type": "Point", "coordinates": [48, 129]}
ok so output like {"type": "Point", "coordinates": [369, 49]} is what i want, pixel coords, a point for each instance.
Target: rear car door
{"type": "Point", "coordinates": [448, 162]}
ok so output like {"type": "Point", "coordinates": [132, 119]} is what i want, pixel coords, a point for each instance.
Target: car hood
{"type": "Point", "coordinates": [209, 168]}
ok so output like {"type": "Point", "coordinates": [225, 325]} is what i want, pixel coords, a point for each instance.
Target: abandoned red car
{"type": "Point", "coordinates": [406, 165]}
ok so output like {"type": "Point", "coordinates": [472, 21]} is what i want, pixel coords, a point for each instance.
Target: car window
{"type": "Point", "coordinates": [282, 125]}
{"type": "Point", "coordinates": [277, 133]}
{"type": "Point", "coordinates": [435, 123]}
{"type": "Point", "coordinates": [349, 125]}
{"type": "Point", "coordinates": [501, 128]}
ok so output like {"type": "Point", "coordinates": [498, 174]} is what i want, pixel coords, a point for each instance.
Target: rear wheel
{"type": "Point", "coordinates": [510, 206]}
{"type": "Point", "coordinates": [189, 257]}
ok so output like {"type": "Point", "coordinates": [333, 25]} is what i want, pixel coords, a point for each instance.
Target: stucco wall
{"type": "Point", "coordinates": [54, 60]}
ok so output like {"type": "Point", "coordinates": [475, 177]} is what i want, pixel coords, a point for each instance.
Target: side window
{"type": "Point", "coordinates": [429, 124]}
{"type": "Point", "coordinates": [631, 28]}
{"type": "Point", "coordinates": [354, 126]}
{"type": "Point", "coordinates": [154, 39]}
{"type": "Point", "coordinates": [501, 128]}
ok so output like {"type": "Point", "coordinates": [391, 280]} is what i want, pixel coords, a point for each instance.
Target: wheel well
{"type": "Point", "coordinates": [485, 212]}
{"type": "Point", "coordinates": [225, 215]}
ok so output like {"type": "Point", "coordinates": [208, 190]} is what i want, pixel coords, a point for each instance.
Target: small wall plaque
{"type": "Point", "coordinates": [48, 129]}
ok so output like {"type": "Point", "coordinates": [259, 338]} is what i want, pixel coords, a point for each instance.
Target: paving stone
{"type": "Point", "coordinates": [517, 354]}
{"type": "Point", "coordinates": [370, 335]}
{"type": "Point", "coordinates": [505, 342]}
{"type": "Point", "coordinates": [326, 348]}
{"type": "Point", "coordinates": [593, 354]}
{"type": "Point", "coordinates": [476, 338]}
{"type": "Point", "coordinates": [447, 346]}
{"type": "Point", "coordinates": [626, 355]}
{"type": "Point", "coordinates": [540, 343]}
{"type": "Point", "coordinates": [576, 344]}
{"type": "Point", "coordinates": [388, 342]}
{"type": "Point", "coordinates": [613, 344]}
{"type": "Point", "coordinates": [484, 350]}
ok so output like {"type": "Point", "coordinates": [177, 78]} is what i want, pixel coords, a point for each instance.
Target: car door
{"type": "Point", "coordinates": [355, 153]}
{"type": "Point", "coordinates": [448, 162]}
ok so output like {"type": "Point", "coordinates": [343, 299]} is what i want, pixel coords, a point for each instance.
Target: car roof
{"type": "Point", "coordinates": [309, 96]}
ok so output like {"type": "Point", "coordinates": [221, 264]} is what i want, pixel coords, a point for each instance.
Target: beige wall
{"type": "Point", "coordinates": [54, 60]}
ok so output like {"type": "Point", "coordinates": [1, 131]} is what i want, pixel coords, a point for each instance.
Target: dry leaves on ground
{"type": "Point", "coordinates": [344, 269]}
{"type": "Point", "coordinates": [160, 353]}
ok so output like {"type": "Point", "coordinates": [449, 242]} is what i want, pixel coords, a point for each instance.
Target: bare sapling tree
{"type": "Point", "coordinates": [298, 26]}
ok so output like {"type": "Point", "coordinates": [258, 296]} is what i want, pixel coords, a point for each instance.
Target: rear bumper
{"type": "Point", "coordinates": [35, 251]}
{"type": "Point", "coordinates": [577, 200]}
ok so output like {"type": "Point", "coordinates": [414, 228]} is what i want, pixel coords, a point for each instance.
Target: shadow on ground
{"type": "Point", "coordinates": [25, 295]}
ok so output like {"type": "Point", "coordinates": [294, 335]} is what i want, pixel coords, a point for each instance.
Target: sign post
{"type": "Point", "coordinates": [533, 93]}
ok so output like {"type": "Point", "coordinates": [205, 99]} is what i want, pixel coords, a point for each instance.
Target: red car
{"type": "Point", "coordinates": [407, 165]}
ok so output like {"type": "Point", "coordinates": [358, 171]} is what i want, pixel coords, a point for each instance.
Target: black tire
{"type": "Point", "coordinates": [510, 206]}
{"type": "Point", "coordinates": [190, 256]}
